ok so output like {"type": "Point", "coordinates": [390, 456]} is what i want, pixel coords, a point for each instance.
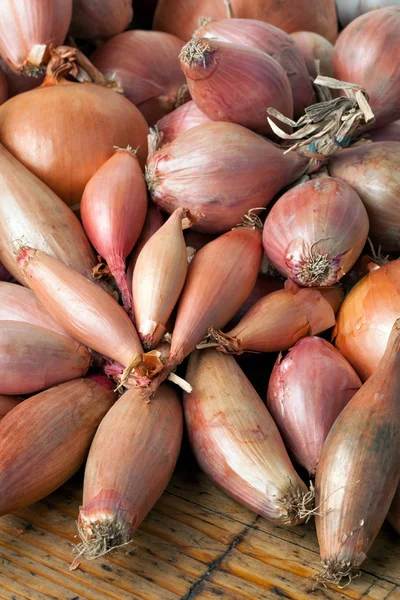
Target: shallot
{"type": "Point", "coordinates": [181, 119]}
{"type": "Point", "coordinates": [100, 19]}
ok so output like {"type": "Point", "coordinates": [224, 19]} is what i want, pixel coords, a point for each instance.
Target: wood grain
{"type": "Point", "coordinates": [195, 544]}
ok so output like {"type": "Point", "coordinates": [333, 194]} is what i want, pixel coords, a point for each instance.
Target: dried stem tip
{"type": "Point", "coordinates": [101, 537]}
{"type": "Point", "coordinates": [195, 52]}
{"type": "Point", "coordinates": [336, 572]}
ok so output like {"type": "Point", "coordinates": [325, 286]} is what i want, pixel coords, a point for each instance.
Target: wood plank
{"type": "Point", "coordinates": [14, 590]}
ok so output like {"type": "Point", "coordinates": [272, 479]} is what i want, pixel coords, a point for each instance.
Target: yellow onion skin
{"type": "Point", "coordinates": [30, 213]}
{"type": "Point", "coordinates": [83, 309]}
{"type": "Point", "coordinates": [100, 19]}
{"type": "Point", "coordinates": [366, 317]}
{"type": "Point", "coordinates": [307, 390]}
{"type": "Point", "coordinates": [146, 65]}
{"type": "Point", "coordinates": [130, 463]}
{"type": "Point", "coordinates": [235, 83]}
{"type": "Point", "coordinates": [315, 47]}
{"type": "Point", "coordinates": [113, 210]}
{"type": "Point", "coordinates": [25, 24]}
{"type": "Point", "coordinates": [218, 171]}
{"type": "Point", "coordinates": [387, 133]}
{"type": "Point", "coordinates": [316, 231]}
{"type": "Point", "coordinates": [366, 53]}
{"type": "Point", "coordinates": [33, 358]}
{"type": "Point", "coordinates": [45, 439]}
{"type": "Point", "coordinates": [158, 279]}
{"type": "Point", "coordinates": [7, 403]}
{"type": "Point", "coordinates": [153, 222]}
{"type": "Point", "coordinates": [359, 469]}
{"type": "Point", "coordinates": [181, 119]}
{"type": "Point", "coordinates": [273, 41]}
{"type": "Point", "coordinates": [18, 303]}
{"type": "Point", "coordinates": [394, 512]}
{"type": "Point", "coordinates": [278, 320]}
{"type": "Point", "coordinates": [373, 171]}
{"type": "Point", "coordinates": [36, 128]}
{"type": "Point", "coordinates": [235, 439]}
{"type": "Point", "coordinates": [181, 17]}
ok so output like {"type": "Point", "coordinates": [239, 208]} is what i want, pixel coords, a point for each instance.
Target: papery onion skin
{"type": "Point", "coordinates": [86, 311]}
{"type": "Point", "coordinates": [18, 303]}
{"type": "Point", "coordinates": [33, 358]}
{"type": "Point", "coordinates": [307, 390]}
{"type": "Point", "coordinates": [100, 19]}
{"type": "Point", "coordinates": [387, 133]}
{"type": "Point", "coordinates": [373, 171]}
{"type": "Point", "coordinates": [278, 320]}
{"type": "Point", "coordinates": [236, 441]}
{"type": "Point", "coordinates": [30, 213]}
{"type": "Point", "coordinates": [158, 279]}
{"type": "Point", "coordinates": [181, 17]}
{"type": "Point", "coordinates": [273, 41]}
{"type": "Point", "coordinates": [315, 47]}
{"type": "Point", "coordinates": [218, 171]}
{"type": "Point", "coordinates": [235, 83]}
{"type": "Point", "coordinates": [366, 317]}
{"type": "Point", "coordinates": [7, 403]}
{"type": "Point", "coordinates": [130, 464]}
{"type": "Point", "coordinates": [370, 60]}
{"type": "Point", "coordinates": [359, 469]}
{"type": "Point", "coordinates": [113, 210]}
{"type": "Point", "coordinates": [153, 222]}
{"type": "Point", "coordinates": [146, 65]}
{"type": "Point", "coordinates": [316, 231]}
{"type": "Point", "coordinates": [45, 439]}
{"type": "Point", "coordinates": [394, 512]}
{"type": "Point", "coordinates": [181, 119]}
{"type": "Point", "coordinates": [36, 128]}
{"type": "Point", "coordinates": [25, 24]}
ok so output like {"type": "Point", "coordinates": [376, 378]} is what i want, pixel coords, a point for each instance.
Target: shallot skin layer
{"type": "Point", "coordinates": [181, 119]}
{"type": "Point", "coordinates": [308, 389]}
{"type": "Point", "coordinates": [359, 469]}
{"type": "Point", "coordinates": [316, 231]}
{"type": "Point", "coordinates": [235, 439]}
{"type": "Point", "coordinates": [7, 403]}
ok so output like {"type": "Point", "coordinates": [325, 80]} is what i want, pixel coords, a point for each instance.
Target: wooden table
{"type": "Point", "coordinates": [196, 543]}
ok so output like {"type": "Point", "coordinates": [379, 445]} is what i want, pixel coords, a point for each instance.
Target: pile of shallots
{"type": "Point", "coordinates": [259, 214]}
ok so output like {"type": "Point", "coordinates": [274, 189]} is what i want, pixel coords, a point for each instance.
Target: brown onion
{"type": "Point", "coordinates": [277, 321]}
{"type": "Point", "coordinates": [113, 210]}
{"type": "Point", "coordinates": [273, 41]}
{"type": "Point", "coordinates": [45, 439]}
{"type": "Point", "coordinates": [359, 469]}
{"type": "Point", "coordinates": [130, 464]}
{"type": "Point", "coordinates": [235, 83]}
{"type": "Point", "coordinates": [315, 47]}
{"type": "Point", "coordinates": [181, 119]}
{"type": "Point", "coordinates": [236, 441]}
{"type": "Point", "coordinates": [394, 512]}
{"type": "Point", "coordinates": [366, 317]}
{"type": "Point", "coordinates": [219, 171]}
{"type": "Point", "coordinates": [28, 28]}
{"type": "Point", "coordinates": [387, 133]}
{"type": "Point", "coordinates": [158, 279]}
{"type": "Point", "coordinates": [33, 358]}
{"type": "Point", "coordinates": [308, 388]}
{"type": "Point", "coordinates": [147, 66]}
{"type": "Point", "coordinates": [315, 232]}
{"type": "Point", "coordinates": [153, 222]}
{"type": "Point", "coordinates": [100, 19]}
{"type": "Point", "coordinates": [30, 213]}
{"type": "Point", "coordinates": [181, 17]}
{"type": "Point", "coordinates": [83, 309]}
{"type": "Point", "coordinates": [366, 53]}
{"type": "Point", "coordinates": [7, 403]}
{"type": "Point", "coordinates": [36, 127]}
{"type": "Point", "coordinates": [373, 171]}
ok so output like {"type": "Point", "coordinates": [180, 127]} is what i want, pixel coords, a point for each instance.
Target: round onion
{"type": "Point", "coordinates": [348, 10]}
{"type": "Point", "coordinates": [316, 231]}
{"type": "Point", "coordinates": [315, 47]}
{"type": "Point", "coordinates": [275, 42]}
{"type": "Point", "coordinates": [366, 53]}
{"type": "Point", "coordinates": [64, 131]}
{"type": "Point", "coordinates": [181, 119]}
{"type": "Point", "coordinates": [373, 171]}
{"type": "Point", "coordinates": [366, 317]}
{"type": "Point", "coordinates": [28, 27]}
{"type": "Point", "coordinates": [181, 17]}
{"type": "Point", "coordinates": [100, 19]}
{"type": "Point", "coordinates": [147, 67]}
{"type": "Point", "coordinates": [308, 388]}
{"type": "Point", "coordinates": [236, 83]}
{"type": "Point", "coordinates": [219, 171]}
